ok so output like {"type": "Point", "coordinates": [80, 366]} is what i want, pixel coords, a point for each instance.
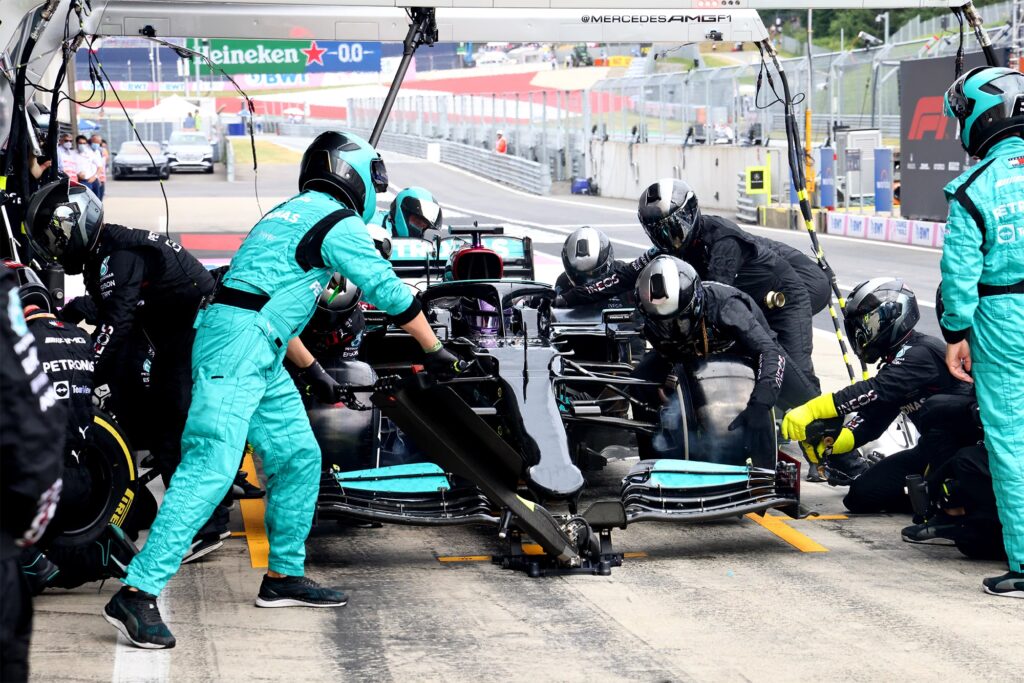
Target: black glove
{"type": "Point", "coordinates": [78, 309]}
{"type": "Point", "coordinates": [754, 416]}
{"type": "Point", "coordinates": [315, 382]}
{"type": "Point", "coordinates": [758, 428]}
{"type": "Point", "coordinates": [443, 364]}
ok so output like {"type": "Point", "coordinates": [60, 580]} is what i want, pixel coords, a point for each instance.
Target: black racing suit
{"type": "Point", "coordinates": [136, 276]}
{"type": "Point", "coordinates": [818, 287]}
{"type": "Point", "coordinates": [914, 373]}
{"type": "Point", "coordinates": [722, 252]}
{"type": "Point", "coordinates": [733, 322]}
{"type": "Point", "coordinates": [31, 453]}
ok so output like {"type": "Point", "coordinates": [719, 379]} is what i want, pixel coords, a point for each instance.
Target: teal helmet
{"type": "Point", "coordinates": [345, 167]}
{"type": "Point", "coordinates": [413, 211]}
{"type": "Point", "coordinates": [988, 102]}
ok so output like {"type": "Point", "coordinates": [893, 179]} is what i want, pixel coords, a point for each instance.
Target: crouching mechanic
{"type": "Point", "coordinates": [242, 388]}
{"type": "Point", "coordinates": [880, 319]}
{"type": "Point", "coordinates": [685, 318]}
{"type": "Point", "coordinates": [66, 357]}
{"type": "Point", "coordinates": [591, 269]}
{"type": "Point", "coordinates": [140, 282]}
{"type": "Point", "coordinates": [721, 252]}
{"type": "Point", "coordinates": [983, 286]}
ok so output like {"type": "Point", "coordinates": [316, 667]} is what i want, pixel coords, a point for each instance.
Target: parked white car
{"type": "Point", "coordinates": [189, 151]}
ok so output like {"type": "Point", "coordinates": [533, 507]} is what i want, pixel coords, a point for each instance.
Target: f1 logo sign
{"type": "Point", "coordinates": [928, 117]}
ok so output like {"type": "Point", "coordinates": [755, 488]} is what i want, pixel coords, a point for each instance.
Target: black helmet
{"type": "Point", "coordinates": [670, 214]}
{"type": "Point", "coordinates": [63, 223]}
{"type": "Point", "coordinates": [670, 298]}
{"type": "Point", "coordinates": [988, 103]}
{"type": "Point", "coordinates": [339, 298]}
{"type": "Point", "coordinates": [880, 315]}
{"type": "Point", "coordinates": [587, 255]}
{"type": "Point", "coordinates": [31, 289]}
{"type": "Point", "coordinates": [347, 168]}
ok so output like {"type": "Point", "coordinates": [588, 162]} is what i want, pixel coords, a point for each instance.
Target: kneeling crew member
{"type": "Point", "coordinates": [880, 319]}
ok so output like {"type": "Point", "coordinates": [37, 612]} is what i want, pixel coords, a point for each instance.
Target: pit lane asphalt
{"type": "Point", "coordinates": [712, 602]}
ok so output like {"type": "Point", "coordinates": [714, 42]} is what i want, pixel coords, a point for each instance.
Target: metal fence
{"type": "Point", "coordinates": [919, 28]}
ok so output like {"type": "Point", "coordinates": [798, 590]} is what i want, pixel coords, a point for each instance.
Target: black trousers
{"type": "Point", "coordinates": [970, 486]}
{"type": "Point", "coordinates": [793, 326]}
{"type": "Point", "coordinates": [15, 622]}
{"type": "Point", "coordinates": [171, 391]}
{"type": "Point", "coordinates": [882, 487]}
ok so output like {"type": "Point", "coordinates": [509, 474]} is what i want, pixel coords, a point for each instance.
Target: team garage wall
{"type": "Point", "coordinates": [624, 170]}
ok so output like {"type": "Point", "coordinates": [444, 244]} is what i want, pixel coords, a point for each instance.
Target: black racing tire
{"type": "Point", "coordinates": [209, 170]}
{"type": "Point", "coordinates": [114, 477]}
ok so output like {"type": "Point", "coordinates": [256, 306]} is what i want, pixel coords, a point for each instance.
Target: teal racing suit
{"type": "Point", "coordinates": [983, 295]}
{"type": "Point", "coordinates": [242, 391]}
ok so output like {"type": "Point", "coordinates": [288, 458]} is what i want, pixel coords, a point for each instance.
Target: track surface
{"type": "Point", "coordinates": [728, 601]}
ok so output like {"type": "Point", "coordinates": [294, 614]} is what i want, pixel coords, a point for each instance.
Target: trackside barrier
{"type": "Point", "coordinates": [516, 172]}
{"type": "Point", "coordinates": [886, 229]}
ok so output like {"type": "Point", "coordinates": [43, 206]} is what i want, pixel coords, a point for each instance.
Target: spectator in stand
{"type": "Point", "coordinates": [85, 164]}
{"type": "Point", "coordinates": [102, 156]}
{"type": "Point", "coordinates": [501, 145]}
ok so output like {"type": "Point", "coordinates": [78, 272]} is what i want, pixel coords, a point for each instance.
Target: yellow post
{"type": "Point", "coordinates": [808, 158]}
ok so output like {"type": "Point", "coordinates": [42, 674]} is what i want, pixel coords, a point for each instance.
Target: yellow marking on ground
{"type": "Point", "coordinates": [788, 534]}
{"type": "Point", "coordinates": [464, 558]}
{"type": "Point", "coordinates": [238, 534]}
{"type": "Point", "coordinates": [532, 549]}
{"type": "Point", "coordinates": [633, 556]}
{"type": "Point", "coordinates": [814, 518]}
{"type": "Point", "coordinates": [252, 516]}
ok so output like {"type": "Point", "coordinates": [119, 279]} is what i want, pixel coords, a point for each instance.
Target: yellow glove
{"type": "Point", "coordinates": [794, 425]}
{"type": "Point", "coordinates": [843, 444]}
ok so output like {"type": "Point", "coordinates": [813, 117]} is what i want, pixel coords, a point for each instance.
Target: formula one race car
{"type": "Point", "coordinates": [552, 394]}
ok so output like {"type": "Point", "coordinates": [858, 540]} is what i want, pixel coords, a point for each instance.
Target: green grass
{"type": "Point", "coordinates": [267, 152]}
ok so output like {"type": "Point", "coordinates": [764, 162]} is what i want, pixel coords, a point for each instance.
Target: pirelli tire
{"type": "Point", "coordinates": [114, 486]}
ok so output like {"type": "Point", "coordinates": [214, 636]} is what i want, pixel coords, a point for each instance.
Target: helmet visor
{"type": "Point", "coordinates": [379, 174]}
{"type": "Point", "coordinates": [421, 215]}
{"type": "Point", "coordinates": [673, 232]}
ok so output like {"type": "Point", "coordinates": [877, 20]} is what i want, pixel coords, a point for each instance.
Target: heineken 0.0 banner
{"type": "Point", "coordinates": [288, 56]}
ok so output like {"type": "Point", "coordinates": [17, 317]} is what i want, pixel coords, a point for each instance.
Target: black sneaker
{"type": "Point", "coordinates": [202, 546]}
{"type": "Point", "coordinates": [137, 617]}
{"type": "Point", "coordinates": [939, 530]}
{"type": "Point", "coordinates": [39, 571]}
{"type": "Point", "coordinates": [1009, 585]}
{"type": "Point", "coordinates": [241, 489]}
{"type": "Point", "coordinates": [297, 591]}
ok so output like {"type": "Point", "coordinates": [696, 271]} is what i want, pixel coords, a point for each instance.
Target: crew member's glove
{"type": "Point", "coordinates": [78, 309]}
{"type": "Point", "coordinates": [559, 302]}
{"type": "Point", "coordinates": [317, 383]}
{"type": "Point", "coordinates": [443, 364]}
{"type": "Point", "coordinates": [815, 452]}
{"type": "Point", "coordinates": [794, 425]}
{"type": "Point", "coordinates": [754, 416]}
